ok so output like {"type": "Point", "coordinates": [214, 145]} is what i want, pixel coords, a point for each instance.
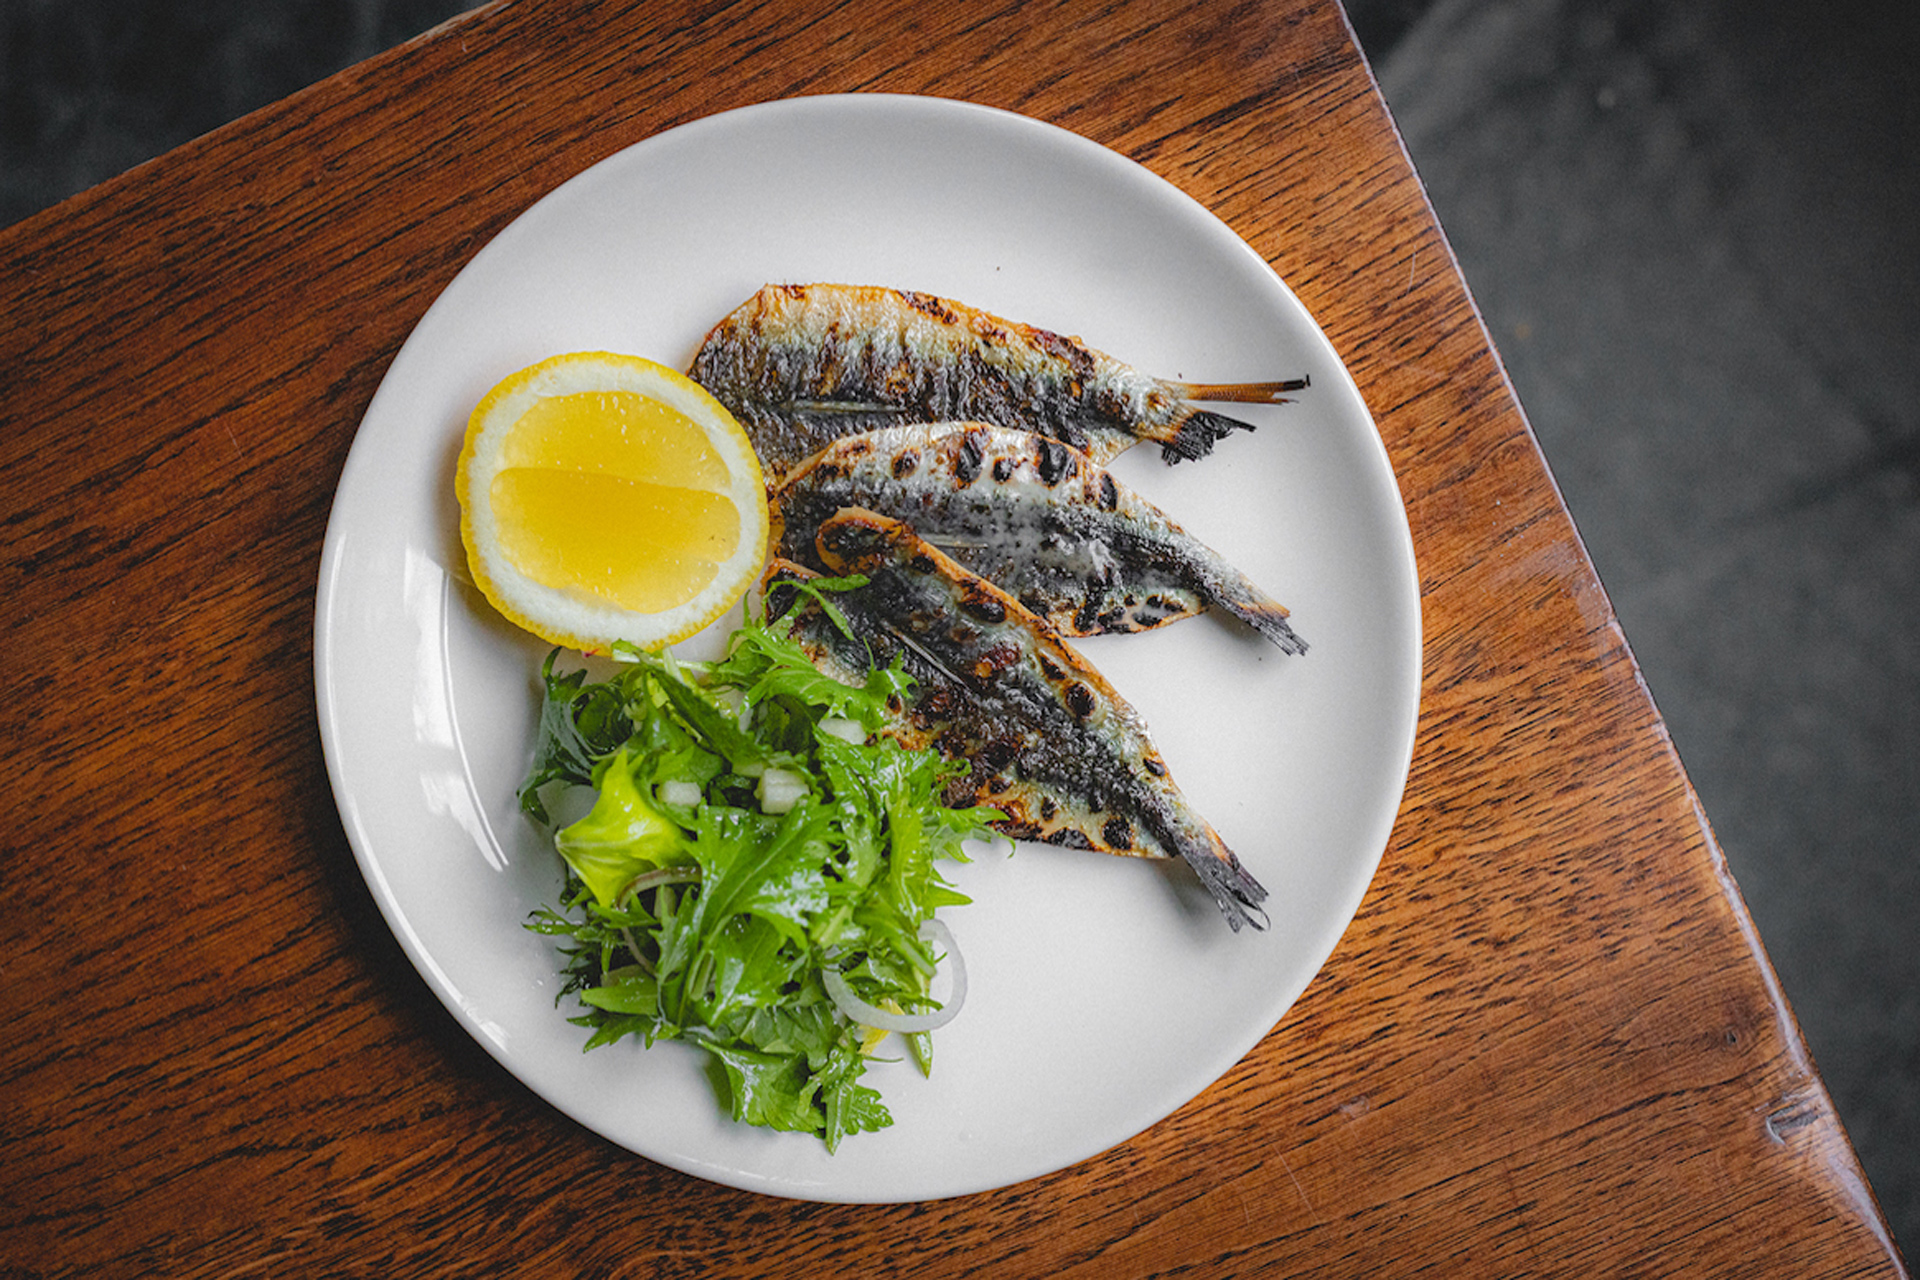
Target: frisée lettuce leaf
{"type": "Point", "coordinates": [704, 903]}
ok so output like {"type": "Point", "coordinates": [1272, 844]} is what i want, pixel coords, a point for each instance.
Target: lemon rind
{"type": "Point", "coordinates": [567, 618]}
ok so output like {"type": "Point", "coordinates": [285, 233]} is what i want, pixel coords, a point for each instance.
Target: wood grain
{"type": "Point", "coordinates": [1549, 1044]}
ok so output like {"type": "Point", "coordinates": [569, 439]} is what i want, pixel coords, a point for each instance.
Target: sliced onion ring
{"type": "Point", "coordinates": [868, 1015]}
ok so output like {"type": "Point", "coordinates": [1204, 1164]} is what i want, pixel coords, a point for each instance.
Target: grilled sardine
{"type": "Point", "coordinates": [1035, 517]}
{"type": "Point", "coordinates": [802, 365]}
{"type": "Point", "coordinates": [1047, 739]}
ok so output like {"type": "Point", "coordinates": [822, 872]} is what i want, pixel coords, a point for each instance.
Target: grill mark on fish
{"type": "Point", "coordinates": [1047, 739]}
{"type": "Point", "coordinates": [802, 365]}
{"type": "Point", "coordinates": [1033, 516]}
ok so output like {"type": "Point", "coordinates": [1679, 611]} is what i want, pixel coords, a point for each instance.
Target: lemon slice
{"type": "Point", "coordinates": [606, 497]}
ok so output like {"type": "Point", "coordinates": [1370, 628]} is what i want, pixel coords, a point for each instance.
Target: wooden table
{"type": "Point", "coordinates": [1549, 1044]}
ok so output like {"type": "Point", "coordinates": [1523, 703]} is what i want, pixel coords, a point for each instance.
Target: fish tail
{"type": "Point", "coordinates": [1229, 590]}
{"type": "Point", "coordinates": [1270, 620]}
{"type": "Point", "coordinates": [1233, 887]}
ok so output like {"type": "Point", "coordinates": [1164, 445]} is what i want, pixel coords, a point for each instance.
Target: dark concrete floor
{"type": "Point", "coordinates": [90, 88]}
{"type": "Point", "coordinates": [1690, 229]}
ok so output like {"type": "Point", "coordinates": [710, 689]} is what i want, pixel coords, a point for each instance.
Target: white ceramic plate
{"type": "Point", "coordinates": [1105, 992]}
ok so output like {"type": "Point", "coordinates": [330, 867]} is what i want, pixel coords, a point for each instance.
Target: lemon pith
{"type": "Point", "coordinates": [606, 497]}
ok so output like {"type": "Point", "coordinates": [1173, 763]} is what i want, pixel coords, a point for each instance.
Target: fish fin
{"type": "Point", "coordinates": [1198, 434]}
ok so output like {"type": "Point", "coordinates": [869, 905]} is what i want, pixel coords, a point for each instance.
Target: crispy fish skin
{"type": "Point", "coordinates": [801, 365]}
{"type": "Point", "coordinates": [1036, 517]}
{"type": "Point", "coordinates": [1047, 739]}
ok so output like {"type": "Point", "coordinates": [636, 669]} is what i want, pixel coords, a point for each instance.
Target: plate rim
{"type": "Point", "coordinates": [361, 841]}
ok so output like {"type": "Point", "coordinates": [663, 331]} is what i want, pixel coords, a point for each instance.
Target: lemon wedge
{"type": "Point", "coordinates": [606, 497]}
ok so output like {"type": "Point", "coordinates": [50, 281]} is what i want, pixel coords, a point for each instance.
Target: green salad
{"type": "Point", "coordinates": [758, 873]}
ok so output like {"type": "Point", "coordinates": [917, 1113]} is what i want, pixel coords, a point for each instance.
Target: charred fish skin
{"type": "Point", "coordinates": [1035, 517]}
{"type": "Point", "coordinates": [1046, 738]}
{"type": "Point", "coordinates": [802, 365]}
